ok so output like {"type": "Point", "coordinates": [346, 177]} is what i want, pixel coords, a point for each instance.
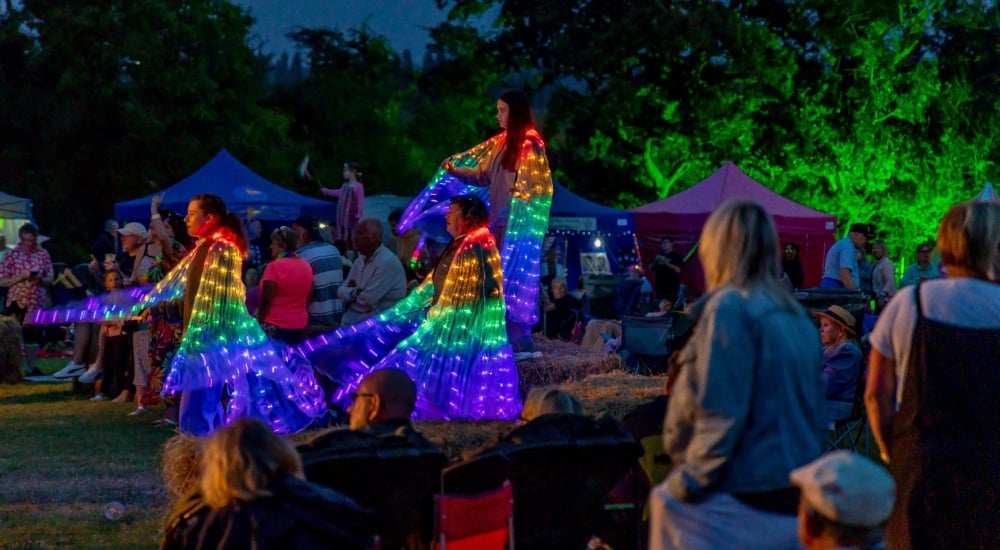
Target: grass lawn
{"type": "Point", "coordinates": [63, 458]}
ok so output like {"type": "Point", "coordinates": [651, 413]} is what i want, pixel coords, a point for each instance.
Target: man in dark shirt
{"type": "Point", "coordinates": [666, 269]}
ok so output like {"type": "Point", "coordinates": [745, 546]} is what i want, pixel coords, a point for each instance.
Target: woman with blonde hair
{"type": "Point", "coordinates": [548, 400]}
{"type": "Point", "coordinates": [252, 493]}
{"type": "Point", "coordinates": [931, 391]}
{"type": "Point", "coordinates": [748, 405]}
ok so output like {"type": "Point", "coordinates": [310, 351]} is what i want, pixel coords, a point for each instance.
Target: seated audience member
{"type": "Point", "coordinates": [841, 361]}
{"type": "Point", "coordinates": [284, 290]}
{"type": "Point", "coordinates": [376, 281]}
{"type": "Point", "coordinates": [253, 494]}
{"type": "Point", "coordinates": [663, 309]}
{"type": "Point", "coordinates": [324, 307]}
{"type": "Point", "coordinates": [562, 311]}
{"type": "Point", "coordinates": [845, 502]}
{"type": "Point", "coordinates": [114, 366]}
{"type": "Point", "coordinates": [549, 415]}
{"type": "Point", "coordinates": [381, 408]}
{"type": "Point", "coordinates": [251, 280]}
{"type": "Point", "coordinates": [628, 294]}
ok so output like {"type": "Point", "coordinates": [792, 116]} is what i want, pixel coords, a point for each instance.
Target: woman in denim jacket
{"type": "Point", "coordinates": [748, 406]}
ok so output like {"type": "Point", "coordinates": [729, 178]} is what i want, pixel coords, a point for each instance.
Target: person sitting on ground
{"type": "Point", "coordinates": [562, 311]}
{"type": "Point", "coordinates": [116, 349]}
{"type": "Point", "coordinates": [841, 361]}
{"type": "Point", "coordinates": [252, 493]}
{"type": "Point", "coordinates": [845, 502]}
{"type": "Point", "coordinates": [377, 280]}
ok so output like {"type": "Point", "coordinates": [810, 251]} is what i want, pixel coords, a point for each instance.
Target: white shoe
{"type": "Point", "coordinates": [99, 397]}
{"type": "Point", "coordinates": [71, 370]}
{"type": "Point", "coordinates": [93, 373]}
{"type": "Point", "coordinates": [139, 411]}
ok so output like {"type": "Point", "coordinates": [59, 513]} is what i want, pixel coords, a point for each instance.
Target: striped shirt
{"type": "Point", "coordinates": [328, 273]}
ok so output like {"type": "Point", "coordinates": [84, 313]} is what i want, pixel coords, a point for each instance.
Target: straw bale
{"type": "Point", "coordinates": [563, 362]}
{"type": "Point", "coordinates": [181, 465]}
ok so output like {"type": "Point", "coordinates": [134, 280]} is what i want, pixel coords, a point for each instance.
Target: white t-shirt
{"type": "Point", "coordinates": [962, 302]}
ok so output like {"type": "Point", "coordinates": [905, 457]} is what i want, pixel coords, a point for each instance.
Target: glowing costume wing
{"type": "Point", "coordinates": [456, 351]}
{"type": "Point", "coordinates": [531, 198]}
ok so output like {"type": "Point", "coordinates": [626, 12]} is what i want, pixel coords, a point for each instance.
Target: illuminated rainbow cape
{"type": "Point", "coordinates": [222, 343]}
{"type": "Point", "coordinates": [531, 197]}
{"type": "Point", "coordinates": [455, 350]}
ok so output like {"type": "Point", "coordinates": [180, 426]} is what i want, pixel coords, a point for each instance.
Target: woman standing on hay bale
{"type": "Point", "coordinates": [511, 173]}
{"type": "Point", "coordinates": [448, 334]}
{"type": "Point", "coordinates": [748, 406]}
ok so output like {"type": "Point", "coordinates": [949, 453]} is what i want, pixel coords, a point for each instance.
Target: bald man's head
{"type": "Point", "coordinates": [387, 394]}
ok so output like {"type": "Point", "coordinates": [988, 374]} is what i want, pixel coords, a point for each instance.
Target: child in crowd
{"type": "Point", "coordinates": [350, 201]}
{"type": "Point", "coordinates": [115, 352]}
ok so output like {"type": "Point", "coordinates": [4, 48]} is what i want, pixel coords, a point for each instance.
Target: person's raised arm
{"type": "Point", "coordinates": [156, 224]}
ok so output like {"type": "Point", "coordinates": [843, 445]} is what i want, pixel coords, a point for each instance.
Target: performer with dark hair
{"type": "Point", "coordinates": [511, 172]}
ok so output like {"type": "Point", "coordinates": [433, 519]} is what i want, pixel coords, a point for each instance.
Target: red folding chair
{"type": "Point", "coordinates": [479, 522]}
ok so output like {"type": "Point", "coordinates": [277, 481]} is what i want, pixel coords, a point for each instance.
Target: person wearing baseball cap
{"type": "Point", "coordinates": [840, 270]}
{"type": "Point", "coordinates": [845, 500]}
{"type": "Point", "coordinates": [841, 361]}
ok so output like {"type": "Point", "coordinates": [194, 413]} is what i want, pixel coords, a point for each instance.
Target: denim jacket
{"type": "Point", "coordinates": [748, 406]}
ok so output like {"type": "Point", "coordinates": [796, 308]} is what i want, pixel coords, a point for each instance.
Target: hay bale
{"type": "Point", "coordinates": [461, 435]}
{"type": "Point", "coordinates": [10, 350]}
{"type": "Point", "coordinates": [615, 394]}
{"type": "Point", "coordinates": [563, 362]}
{"type": "Point", "coordinates": [181, 465]}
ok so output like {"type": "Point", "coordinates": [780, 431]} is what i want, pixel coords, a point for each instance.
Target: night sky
{"type": "Point", "coordinates": [403, 22]}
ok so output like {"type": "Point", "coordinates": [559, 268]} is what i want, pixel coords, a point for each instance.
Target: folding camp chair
{"type": "Point", "coordinates": [475, 522]}
{"type": "Point", "coordinates": [646, 343]}
{"type": "Point", "coordinates": [396, 484]}
{"type": "Point", "coordinates": [560, 487]}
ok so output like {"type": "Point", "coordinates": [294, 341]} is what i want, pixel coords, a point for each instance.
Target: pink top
{"type": "Point", "coordinates": [293, 278]}
{"type": "Point", "coordinates": [350, 206]}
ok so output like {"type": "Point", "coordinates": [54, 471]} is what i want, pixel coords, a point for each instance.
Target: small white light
{"type": "Point", "coordinates": [597, 242]}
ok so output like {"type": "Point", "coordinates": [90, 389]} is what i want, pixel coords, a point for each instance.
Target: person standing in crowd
{"type": "Point", "coordinates": [350, 201]}
{"type": "Point", "coordinates": [840, 270]}
{"type": "Point", "coordinates": [931, 391]}
{"type": "Point", "coordinates": [864, 271]}
{"type": "Point", "coordinates": [106, 243]}
{"type": "Point", "coordinates": [26, 271]}
{"type": "Point", "coordinates": [511, 172]}
{"type": "Point", "coordinates": [284, 290]}
{"type": "Point", "coordinates": [252, 493]}
{"type": "Point", "coordinates": [922, 269]}
{"type": "Point", "coordinates": [376, 281]}
{"type": "Point", "coordinates": [883, 276]}
{"type": "Point", "coordinates": [222, 345]}
{"type": "Point", "coordinates": [748, 407]}
{"type": "Point", "coordinates": [791, 266]}
{"type": "Point", "coordinates": [666, 268]}
{"type": "Point", "coordinates": [325, 308]}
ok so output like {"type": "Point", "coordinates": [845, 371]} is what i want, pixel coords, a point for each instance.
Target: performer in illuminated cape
{"type": "Point", "coordinates": [449, 334]}
{"type": "Point", "coordinates": [223, 347]}
{"type": "Point", "coordinates": [511, 172]}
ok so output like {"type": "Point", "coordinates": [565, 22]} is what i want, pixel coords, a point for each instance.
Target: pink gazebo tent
{"type": "Point", "coordinates": [682, 216]}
